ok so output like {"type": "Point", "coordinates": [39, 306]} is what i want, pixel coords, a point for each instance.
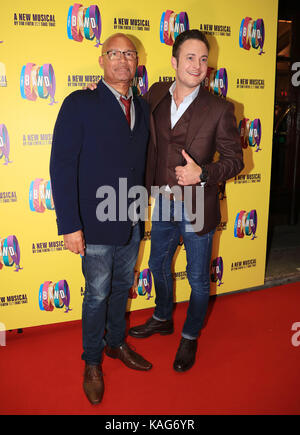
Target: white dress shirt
{"type": "Point", "coordinates": [177, 112]}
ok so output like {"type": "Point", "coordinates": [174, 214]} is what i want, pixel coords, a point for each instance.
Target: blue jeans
{"type": "Point", "coordinates": [165, 237]}
{"type": "Point", "coordinates": [109, 274]}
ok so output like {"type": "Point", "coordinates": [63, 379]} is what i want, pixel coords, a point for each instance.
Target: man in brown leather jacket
{"type": "Point", "coordinates": [188, 126]}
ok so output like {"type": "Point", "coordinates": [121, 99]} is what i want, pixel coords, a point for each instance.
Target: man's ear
{"type": "Point", "coordinates": [100, 60]}
{"type": "Point", "coordinates": [174, 62]}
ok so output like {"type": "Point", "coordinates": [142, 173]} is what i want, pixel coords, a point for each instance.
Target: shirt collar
{"type": "Point", "coordinates": [116, 93]}
{"type": "Point", "coordinates": [191, 96]}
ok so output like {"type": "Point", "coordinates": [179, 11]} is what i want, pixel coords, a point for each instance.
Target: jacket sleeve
{"type": "Point", "coordinates": [228, 145]}
{"type": "Point", "coordinates": [64, 160]}
{"type": "Point", "coordinates": [151, 159]}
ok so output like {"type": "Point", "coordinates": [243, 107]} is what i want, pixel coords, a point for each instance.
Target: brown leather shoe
{"type": "Point", "coordinates": [128, 356]}
{"type": "Point", "coordinates": [93, 384]}
{"type": "Point", "coordinates": [152, 326]}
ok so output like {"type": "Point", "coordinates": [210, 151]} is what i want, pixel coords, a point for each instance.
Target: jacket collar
{"type": "Point", "coordinates": [106, 96]}
{"type": "Point", "coordinates": [104, 90]}
{"type": "Point", "coordinates": [162, 90]}
{"type": "Point", "coordinates": [199, 112]}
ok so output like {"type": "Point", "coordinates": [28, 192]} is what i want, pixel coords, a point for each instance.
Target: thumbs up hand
{"type": "Point", "coordinates": [188, 174]}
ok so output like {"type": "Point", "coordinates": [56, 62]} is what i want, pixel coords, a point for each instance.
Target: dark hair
{"type": "Point", "coordinates": [184, 36]}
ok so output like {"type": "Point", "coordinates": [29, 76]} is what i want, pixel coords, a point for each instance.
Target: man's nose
{"type": "Point", "coordinates": [123, 56]}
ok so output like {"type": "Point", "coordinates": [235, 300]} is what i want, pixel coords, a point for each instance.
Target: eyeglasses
{"type": "Point", "coordinates": [116, 54]}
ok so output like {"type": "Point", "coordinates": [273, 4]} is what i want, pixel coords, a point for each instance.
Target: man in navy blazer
{"type": "Point", "coordinates": [99, 139]}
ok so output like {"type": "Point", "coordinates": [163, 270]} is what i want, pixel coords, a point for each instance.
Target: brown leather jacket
{"type": "Point", "coordinates": [212, 128]}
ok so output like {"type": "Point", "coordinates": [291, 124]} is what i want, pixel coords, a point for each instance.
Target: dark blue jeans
{"type": "Point", "coordinates": [109, 274]}
{"type": "Point", "coordinates": [165, 237]}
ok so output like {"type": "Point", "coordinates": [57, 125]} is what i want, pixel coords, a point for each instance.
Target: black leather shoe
{"type": "Point", "coordinates": [151, 327]}
{"type": "Point", "coordinates": [185, 356]}
{"type": "Point", "coordinates": [129, 357]}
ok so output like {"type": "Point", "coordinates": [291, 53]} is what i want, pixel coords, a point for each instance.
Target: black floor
{"type": "Point", "coordinates": [283, 248]}
{"type": "Point", "coordinates": [283, 253]}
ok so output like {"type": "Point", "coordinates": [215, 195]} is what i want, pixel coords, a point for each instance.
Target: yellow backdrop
{"type": "Point", "coordinates": [40, 65]}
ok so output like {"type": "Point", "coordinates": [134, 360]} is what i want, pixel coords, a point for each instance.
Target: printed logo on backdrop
{"type": "Point", "coordinates": [4, 144]}
{"type": "Point", "coordinates": [252, 34]}
{"type": "Point", "coordinates": [80, 80]}
{"type": "Point", "coordinates": [168, 79]}
{"type": "Point", "coordinates": [140, 81]}
{"type": "Point", "coordinates": [216, 271]}
{"type": "Point", "coordinates": [216, 81]}
{"type": "Point", "coordinates": [248, 178]}
{"type": "Point", "coordinates": [84, 23]}
{"type": "Point", "coordinates": [48, 246]}
{"type": "Point", "coordinates": [54, 295]}
{"type": "Point", "coordinates": [8, 197]}
{"type": "Point", "coordinates": [3, 80]}
{"type": "Point", "coordinates": [247, 83]}
{"type": "Point", "coordinates": [10, 253]}
{"type": "Point", "coordinates": [215, 29]}
{"type": "Point", "coordinates": [245, 224]}
{"type": "Point", "coordinates": [38, 82]}
{"type": "Point", "coordinates": [132, 23]}
{"type": "Point", "coordinates": [19, 299]}
{"type": "Point", "coordinates": [179, 276]}
{"type": "Point", "coordinates": [171, 25]}
{"type": "Point", "coordinates": [243, 264]}
{"type": "Point", "coordinates": [40, 195]}
{"type": "Point", "coordinates": [34, 20]}
{"type": "Point", "coordinates": [37, 139]}
{"type": "Point", "coordinates": [142, 285]}
{"type": "Point", "coordinates": [250, 133]}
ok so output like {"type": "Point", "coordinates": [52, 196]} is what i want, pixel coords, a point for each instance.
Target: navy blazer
{"type": "Point", "coordinates": [93, 146]}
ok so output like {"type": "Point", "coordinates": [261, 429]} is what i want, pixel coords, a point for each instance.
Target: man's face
{"type": "Point", "coordinates": [191, 66]}
{"type": "Point", "coordinates": [119, 70]}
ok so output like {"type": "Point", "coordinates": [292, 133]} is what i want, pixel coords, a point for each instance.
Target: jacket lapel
{"type": "Point", "coordinates": [112, 106]}
{"type": "Point", "coordinates": [159, 94]}
{"type": "Point", "coordinates": [154, 99]}
{"type": "Point", "coordinates": [199, 116]}
{"type": "Point", "coordinates": [138, 112]}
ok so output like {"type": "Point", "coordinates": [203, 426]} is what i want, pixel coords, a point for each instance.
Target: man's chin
{"type": "Point", "coordinates": [193, 83]}
{"type": "Point", "coordinates": [124, 78]}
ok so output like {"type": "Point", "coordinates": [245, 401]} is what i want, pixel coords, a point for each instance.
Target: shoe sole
{"type": "Point", "coordinates": [149, 335]}
{"type": "Point", "coordinates": [183, 370]}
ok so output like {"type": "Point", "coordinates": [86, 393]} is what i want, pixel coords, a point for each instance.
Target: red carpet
{"type": "Point", "coordinates": [246, 364]}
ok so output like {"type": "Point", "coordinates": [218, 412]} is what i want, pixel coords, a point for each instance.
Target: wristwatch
{"type": "Point", "coordinates": [204, 174]}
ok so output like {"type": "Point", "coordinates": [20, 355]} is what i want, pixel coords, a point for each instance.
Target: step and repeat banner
{"type": "Point", "coordinates": [48, 50]}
